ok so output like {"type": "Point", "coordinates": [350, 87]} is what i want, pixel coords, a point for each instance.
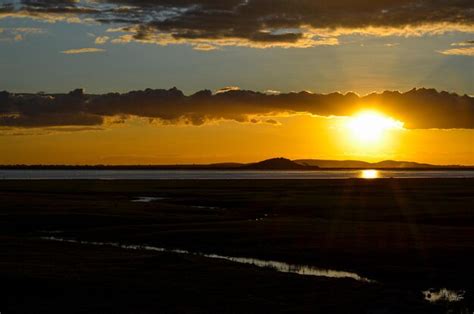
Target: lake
{"type": "Point", "coordinates": [225, 174]}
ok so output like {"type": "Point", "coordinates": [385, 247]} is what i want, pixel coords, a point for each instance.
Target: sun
{"type": "Point", "coordinates": [369, 174]}
{"type": "Point", "coordinates": [370, 126]}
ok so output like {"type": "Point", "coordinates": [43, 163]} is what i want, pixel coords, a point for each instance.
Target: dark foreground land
{"type": "Point", "coordinates": [409, 235]}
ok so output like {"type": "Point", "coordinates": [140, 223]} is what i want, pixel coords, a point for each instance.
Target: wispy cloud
{"type": "Point", "coordinates": [19, 33]}
{"type": "Point", "coordinates": [205, 47]}
{"type": "Point", "coordinates": [464, 43]}
{"type": "Point", "coordinates": [82, 50]}
{"type": "Point", "coordinates": [102, 40]}
{"type": "Point", "coordinates": [467, 51]}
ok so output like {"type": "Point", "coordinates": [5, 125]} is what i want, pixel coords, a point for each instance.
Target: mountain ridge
{"type": "Point", "coordinates": [364, 164]}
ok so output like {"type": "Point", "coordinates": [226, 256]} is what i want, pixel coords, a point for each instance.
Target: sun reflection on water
{"type": "Point", "coordinates": [369, 174]}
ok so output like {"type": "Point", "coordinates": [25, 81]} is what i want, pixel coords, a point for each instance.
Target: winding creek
{"type": "Point", "coordinates": [282, 267]}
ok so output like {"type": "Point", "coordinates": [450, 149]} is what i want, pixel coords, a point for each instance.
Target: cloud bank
{"type": "Point", "coordinates": [206, 24]}
{"type": "Point", "coordinates": [417, 108]}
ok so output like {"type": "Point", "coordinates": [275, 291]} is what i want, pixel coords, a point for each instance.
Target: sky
{"type": "Point", "coordinates": [200, 81]}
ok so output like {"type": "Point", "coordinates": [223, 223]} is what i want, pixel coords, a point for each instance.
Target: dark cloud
{"type": "Point", "coordinates": [281, 21]}
{"type": "Point", "coordinates": [262, 22]}
{"type": "Point", "coordinates": [6, 8]}
{"type": "Point", "coordinates": [271, 121]}
{"type": "Point", "coordinates": [37, 110]}
{"type": "Point", "coordinates": [418, 108]}
{"type": "Point", "coordinates": [45, 120]}
{"type": "Point", "coordinates": [56, 7]}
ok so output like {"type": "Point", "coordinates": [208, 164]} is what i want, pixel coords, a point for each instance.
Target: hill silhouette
{"type": "Point", "coordinates": [278, 164]}
{"type": "Point", "coordinates": [392, 164]}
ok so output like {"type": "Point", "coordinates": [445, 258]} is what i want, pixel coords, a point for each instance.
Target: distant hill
{"type": "Point", "coordinates": [401, 164]}
{"type": "Point", "coordinates": [334, 163]}
{"type": "Point", "coordinates": [277, 164]}
{"type": "Point", "coordinates": [362, 164]}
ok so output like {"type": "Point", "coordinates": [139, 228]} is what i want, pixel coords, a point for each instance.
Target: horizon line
{"type": "Point", "coordinates": [151, 165]}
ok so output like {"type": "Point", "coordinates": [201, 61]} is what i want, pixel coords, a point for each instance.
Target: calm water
{"type": "Point", "coordinates": [226, 175]}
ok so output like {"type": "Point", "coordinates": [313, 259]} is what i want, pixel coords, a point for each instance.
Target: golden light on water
{"type": "Point", "coordinates": [369, 127]}
{"type": "Point", "coordinates": [369, 174]}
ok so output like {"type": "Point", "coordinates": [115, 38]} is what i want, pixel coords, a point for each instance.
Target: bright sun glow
{"type": "Point", "coordinates": [369, 174]}
{"type": "Point", "coordinates": [370, 126]}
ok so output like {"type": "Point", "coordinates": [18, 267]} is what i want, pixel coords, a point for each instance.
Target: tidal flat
{"type": "Point", "coordinates": [410, 238]}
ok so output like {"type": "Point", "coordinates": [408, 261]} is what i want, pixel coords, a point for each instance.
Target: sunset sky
{"type": "Point", "coordinates": [91, 81]}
